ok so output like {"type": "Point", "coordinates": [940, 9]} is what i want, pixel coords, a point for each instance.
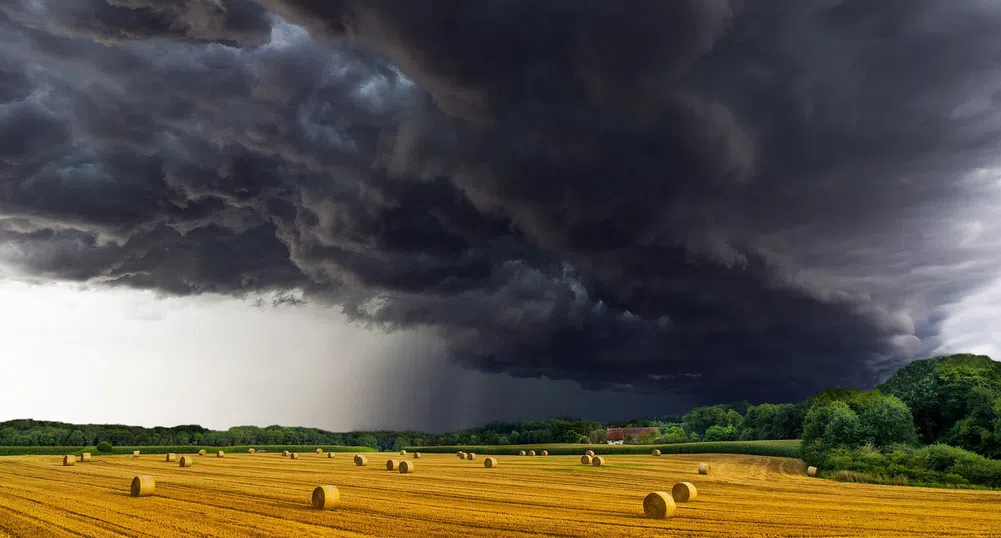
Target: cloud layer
{"type": "Point", "coordinates": [714, 198]}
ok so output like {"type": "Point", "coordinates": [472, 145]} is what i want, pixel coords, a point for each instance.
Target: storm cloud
{"type": "Point", "coordinates": [719, 199]}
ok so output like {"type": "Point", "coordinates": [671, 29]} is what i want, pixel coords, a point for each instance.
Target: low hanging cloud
{"type": "Point", "coordinates": [720, 199]}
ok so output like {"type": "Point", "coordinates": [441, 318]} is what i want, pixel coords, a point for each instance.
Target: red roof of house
{"type": "Point", "coordinates": [620, 434]}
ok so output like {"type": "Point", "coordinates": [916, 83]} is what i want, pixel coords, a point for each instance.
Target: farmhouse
{"type": "Point", "coordinates": [617, 436]}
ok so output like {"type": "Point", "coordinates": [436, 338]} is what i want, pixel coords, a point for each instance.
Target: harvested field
{"type": "Point", "coordinates": [243, 495]}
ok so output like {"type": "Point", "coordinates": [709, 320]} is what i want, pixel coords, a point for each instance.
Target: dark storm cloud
{"type": "Point", "coordinates": [228, 21]}
{"type": "Point", "coordinates": [722, 199]}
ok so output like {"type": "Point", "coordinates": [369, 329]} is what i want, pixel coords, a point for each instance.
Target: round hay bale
{"type": "Point", "coordinates": [598, 461]}
{"type": "Point", "coordinates": [471, 456]}
{"type": "Point", "coordinates": [586, 460]}
{"type": "Point", "coordinates": [69, 460]}
{"type": "Point", "coordinates": [705, 468]}
{"type": "Point", "coordinates": [811, 471]}
{"type": "Point", "coordinates": [319, 451]}
{"type": "Point", "coordinates": [684, 492]}
{"type": "Point", "coordinates": [462, 455]}
{"type": "Point", "coordinates": [171, 458]}
{"type": "Point", "coordinates": [360, 460]}
{"type": "Point", "coordinates": [293, 455]}
{"type": "Point", "coordinates": [85, 457]}
{"type": "Point", "coordinates": [143, 486]}
{"type": "Point", "coordinates": [285, 453]}
{"type": "Point", "coordinates": [135, 453]}
{"type": "Point", "coordinates": [186, 461]}
{"type": "Point", "coordinates": [459, 453]}
{"type": "Point", "coordinates": [490, 463]}
{"type": "Point", "coordinates": [417, 455]}
{"type": "Point", "coordinates": [589, 453]}
{"type": "Point", "coordinates": [406, 467]}
{"type": "Point", "coordinates": [392, 465]}
{"type": "Point", "coordinates": [325, 497]}
{"type": "Point", "coordinates": [531, 452]}
{"type": "Point", "coordinates": [251, 451]}
{"type": "Point", "coordinates": [219, 454]}
{"type": "Point", "coordinates": [522, 453]}
{"type": "Point", "coordinates": [403, 452]}
{"type": "Point", "coordinates": [658, 505]}
{"type": "Point", "coordinates": [655, 452]}
{"type": "Point", "coordinates": [544, 453]}
{"type": "Point", "coordinates": [330, 455]}
{"type": "Point", "coordinates": [202, 452]}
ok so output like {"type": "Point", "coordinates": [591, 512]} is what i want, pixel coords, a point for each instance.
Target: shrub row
{"type": "Point", "coordinates": [932, 465]}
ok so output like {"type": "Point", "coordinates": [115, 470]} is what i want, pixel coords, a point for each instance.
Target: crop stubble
{"type": "Point", "coordinates": [266, 495]}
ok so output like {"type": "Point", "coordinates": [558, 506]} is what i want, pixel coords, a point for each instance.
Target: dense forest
{"type": "Point", "coordinates": [951, 406]}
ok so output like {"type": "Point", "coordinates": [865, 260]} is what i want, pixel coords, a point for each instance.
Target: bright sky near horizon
{"type": "Point", "coordinates": [87, 355]}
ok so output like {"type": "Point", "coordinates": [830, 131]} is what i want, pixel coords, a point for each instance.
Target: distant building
{"type": "Point", "coordinates": [617, 436]}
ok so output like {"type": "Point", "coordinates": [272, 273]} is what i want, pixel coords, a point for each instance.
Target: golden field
{"type": "Point", "coordinates": [268, 495]}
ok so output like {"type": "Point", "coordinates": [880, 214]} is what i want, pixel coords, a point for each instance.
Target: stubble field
{"type": "Point", "coordinates": [268, 495]}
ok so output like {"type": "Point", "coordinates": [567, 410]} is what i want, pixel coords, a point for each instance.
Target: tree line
{"type": "Point", "coordinates": [739, 421]}
{"type": "Point", "coordinates": [27, 432]}
{"type": "Point", "coordinates": [952, 400]}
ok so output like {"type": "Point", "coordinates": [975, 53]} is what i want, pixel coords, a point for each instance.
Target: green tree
{"type": "Point", "coordinates": [369, 440]}
{"type": "Point", "coordinates": [699, 420]}
{"type": "Point", "coordinates": [759, 422]}
{"type": "Point", "coordinates": [844, 428]}
{"type": "Point", "coordinates": [571, 436]}
{"type": "Point", "coordinates": [400, 442]}
{"type": "Point", "coordinates": [672, 434]}
{"type": "Point", "coordinates": [977, 430]}
{"type": "Point", "coordinates": [830, 424]}
{"type": "Point", "coordinates": [944, 391]}
{"type": "Point", "coordinates": [76, 439]}
{"type": "Point", "coordinates": [789, 420]}
{"type": "Point", "coordinates": [720, 433]}
{"type": "Point", "coordinates": [887, 420]}
{"type": "Point", "coordinates": [598, 436]}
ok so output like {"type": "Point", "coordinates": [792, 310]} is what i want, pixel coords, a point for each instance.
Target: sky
{"type": "Point", "coordinates": [362, 214]}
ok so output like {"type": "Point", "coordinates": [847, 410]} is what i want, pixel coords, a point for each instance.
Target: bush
{"type": "Point", "coordinates": [934, 465]}
{"type": "Point", "coordinates": [104, 447]}
{"type": "Point", "coordinates": [938, 457]}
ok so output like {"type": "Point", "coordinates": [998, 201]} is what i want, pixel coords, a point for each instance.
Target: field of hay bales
{"type": "Point", "coordinates": [268, 495]}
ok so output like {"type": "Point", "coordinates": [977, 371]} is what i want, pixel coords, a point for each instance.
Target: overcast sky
{"type": "Point", "coordinates": [488, 210]}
